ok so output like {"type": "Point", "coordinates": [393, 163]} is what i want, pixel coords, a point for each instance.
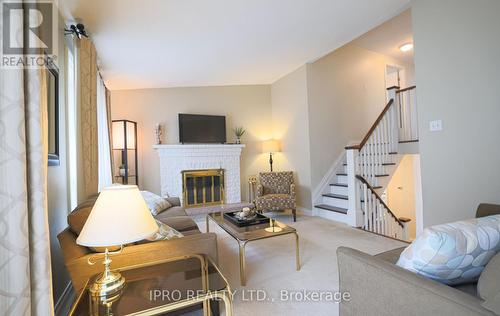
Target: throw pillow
{"type": "Point", "coordinates": [488, 284]}
{"type": "Point", "coordinates": [454, 253]}
{"type": "Point", "coordinates": [165, 232]}
{"type": "Point", "coordinates": [155, 203]}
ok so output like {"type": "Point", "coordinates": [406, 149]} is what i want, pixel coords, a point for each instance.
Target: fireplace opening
{"type": "Point", "coordinates": [202, 187]}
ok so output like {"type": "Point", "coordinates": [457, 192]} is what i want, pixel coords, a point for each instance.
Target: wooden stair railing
{"type": "Point", "coordinates": [374, 152]}
{"type": "Point", "coordinates": [377, 216]}
{"type": "Point", "coordinates": [373, 128]}
{"type": "Point", "coordinates": [369, 160]}
{"type": "Point", "coordinates": [407, 114]}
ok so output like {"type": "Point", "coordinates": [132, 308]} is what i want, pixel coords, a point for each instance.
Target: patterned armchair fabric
{"type": "Point", "coordinates": [276, 192]}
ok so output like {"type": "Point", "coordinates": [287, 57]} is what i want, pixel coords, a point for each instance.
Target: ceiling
{"type": "Point", "coordinates": [176, 43]}
{"type": "Point", "coordinates": [389, 36]}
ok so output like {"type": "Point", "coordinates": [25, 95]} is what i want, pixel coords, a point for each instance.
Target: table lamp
{"type": "Point", "coordinates": [119, 216]}
{"type": "Point", "coordinates": [271, 146]}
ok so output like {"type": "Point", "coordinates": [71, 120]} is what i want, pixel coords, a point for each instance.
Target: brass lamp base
{"type": "Point", "coordinates": [272, 227]}
{"type": "Point", "coordinates": [109, 283]}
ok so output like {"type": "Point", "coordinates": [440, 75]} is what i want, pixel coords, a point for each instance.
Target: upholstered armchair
{"type": "Point", "coordinates": [276, 192]}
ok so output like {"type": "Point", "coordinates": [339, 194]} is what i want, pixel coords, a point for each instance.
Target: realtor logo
{"type": "Point", "coordinates": [29, 35]}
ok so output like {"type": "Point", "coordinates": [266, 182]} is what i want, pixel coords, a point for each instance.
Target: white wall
{"type": "Point", "coordinates": [247, 106]}
{"type": "Point", "coordinates": [346, 93]}
{"type": "Point", "coordinates": [291, 126]}
{"type": "Point", "coordinates": [401, 197]}
{"type": "Point", "coordinates": [457, 69]}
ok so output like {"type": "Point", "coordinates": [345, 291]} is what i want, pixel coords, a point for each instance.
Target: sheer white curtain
{"type": "Point", "coordinates": [104, 150]}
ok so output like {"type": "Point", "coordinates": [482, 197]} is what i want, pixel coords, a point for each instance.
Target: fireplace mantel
{"type": "Point", "coordinates": [175, 158]}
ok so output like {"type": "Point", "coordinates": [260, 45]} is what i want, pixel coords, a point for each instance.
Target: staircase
{"type": "Point", "coordinates": [355, 184]}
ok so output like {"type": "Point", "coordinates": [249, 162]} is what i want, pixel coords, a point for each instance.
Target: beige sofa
{"type": "Point", "coordinates": [378, 287]}
{"type": "Point", "coordinates": [75, 256]}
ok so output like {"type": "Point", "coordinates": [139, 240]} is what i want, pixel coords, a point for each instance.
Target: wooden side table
{"type": "Point", "coordinates": [181, 284]}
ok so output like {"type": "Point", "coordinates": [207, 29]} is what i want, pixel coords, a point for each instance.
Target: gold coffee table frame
{"type": "Point", "coordinates": [225, 294]}
{"type": "Point", "coordinates": [244, 235]}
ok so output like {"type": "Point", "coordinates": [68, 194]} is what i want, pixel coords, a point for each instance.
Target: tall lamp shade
{"type": "Point", "coordinates": [271, 146]}
{"type": "Point", "coordinates": [119, 216]}
{"type": "Point", "coordinates": [123, 134]}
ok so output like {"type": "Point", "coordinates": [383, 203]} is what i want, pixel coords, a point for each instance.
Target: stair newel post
{"type": "Point", "coordinates": [405, 230]}
{"type": "Point", "coordinates": [354, 211]}
{"type": "Point", "coordinates": [394, 112]}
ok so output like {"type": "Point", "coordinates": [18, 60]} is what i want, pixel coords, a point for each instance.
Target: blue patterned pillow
{"type": "Point", "coordinates": [454, 253]}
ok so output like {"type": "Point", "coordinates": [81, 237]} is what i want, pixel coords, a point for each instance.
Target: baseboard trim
{"type": "Point", "coordinates": [63, 304]}
{"type": "Point", "coordinates": [304, 211]}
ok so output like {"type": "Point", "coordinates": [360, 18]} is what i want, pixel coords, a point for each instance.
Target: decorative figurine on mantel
{"type": "Point", "coordinates": [158, 133]}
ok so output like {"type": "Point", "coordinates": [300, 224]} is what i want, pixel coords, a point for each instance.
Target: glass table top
{"type": "Point", "coordinates": [154, 286]}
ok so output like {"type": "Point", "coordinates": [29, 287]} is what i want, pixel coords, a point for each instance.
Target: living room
{"type": "Point", "coordinates": [305, 158]}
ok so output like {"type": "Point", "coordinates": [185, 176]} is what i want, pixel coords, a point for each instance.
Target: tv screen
{"type": "Point", "coordinates": [195, 128]}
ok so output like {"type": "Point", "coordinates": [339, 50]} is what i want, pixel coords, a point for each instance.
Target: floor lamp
{"type": "Point", "coordinates": [271, 146]}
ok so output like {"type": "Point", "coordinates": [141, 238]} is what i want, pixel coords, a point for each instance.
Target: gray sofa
{"type": "Point", "coordinates": [378, 287]}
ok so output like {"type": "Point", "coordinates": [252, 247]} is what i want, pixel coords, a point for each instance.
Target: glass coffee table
{"type": "Point", "coordinates": [168, 287]}
{"type": "Point", "coordinates": [246, 234]}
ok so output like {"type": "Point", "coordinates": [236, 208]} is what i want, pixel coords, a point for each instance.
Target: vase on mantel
{"type": "Point", "coordinates": [158, 134]}
{"type": "Point", "coordinates": [238, 140]}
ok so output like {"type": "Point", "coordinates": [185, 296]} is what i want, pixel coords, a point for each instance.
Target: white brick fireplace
{"type": "Point", "coordinates": [177, 158]}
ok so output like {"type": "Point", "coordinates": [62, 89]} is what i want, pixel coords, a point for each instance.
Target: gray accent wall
{"type": "Point", "coordinates": [457, 60]}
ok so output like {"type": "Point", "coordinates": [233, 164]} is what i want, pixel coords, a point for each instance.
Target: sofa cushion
{"type": "Point", "coordinates": [469, 288]}
{"type": "Point", "coordinates": [78, 217]}
{"type": "Point", "coordinates": [156, 203]}
{"type": "Point", "coordinates": [489, 281]}
{"type": "Point", "coordinates": [171, 212]}
{"type": "Point", "coordinates": [454, 253]}
{"type": "Point", "coordinates": [180, 223]}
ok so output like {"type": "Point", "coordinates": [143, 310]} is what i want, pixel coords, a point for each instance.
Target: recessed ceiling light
{"type": "Point", "coordinates": [406, 47]}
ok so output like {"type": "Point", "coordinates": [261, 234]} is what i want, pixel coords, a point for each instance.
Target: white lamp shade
{"type": "Point", "coordinates": [119, 216]}
{"type": "Point", "coordinates": [271, 146]}
{"type": "Point", "coordinates": [119, 134]}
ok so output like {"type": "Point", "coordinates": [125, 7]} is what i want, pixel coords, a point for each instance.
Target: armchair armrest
{"type": "Point", "coordinates": [292, 190]}
{"type": "Point", "coordinates": [260, 190]}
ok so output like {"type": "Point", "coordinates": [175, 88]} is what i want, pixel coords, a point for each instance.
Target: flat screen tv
{"type": "Point", "coordinates": [194, 128]}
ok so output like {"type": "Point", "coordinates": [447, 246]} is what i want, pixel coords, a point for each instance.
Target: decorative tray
{"type": "Point", "coordinates": [254, 220]}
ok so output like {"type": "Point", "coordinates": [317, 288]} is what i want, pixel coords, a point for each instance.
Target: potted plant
{"type": "Point", "coordinates": [122, 170]}
{"type": "Point", "coordinates": [238, 132]}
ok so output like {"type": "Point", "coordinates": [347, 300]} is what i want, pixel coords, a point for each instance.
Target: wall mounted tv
{"type": "Point", "coordinates": [194, 128]}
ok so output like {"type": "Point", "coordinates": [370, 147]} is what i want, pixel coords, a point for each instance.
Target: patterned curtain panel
{"type": "Point", "coordinates": [25, 271]}
{"type": "Point", "coordinates": [88, 119]}
{"type": "Point", "coordinates": [110, 130]}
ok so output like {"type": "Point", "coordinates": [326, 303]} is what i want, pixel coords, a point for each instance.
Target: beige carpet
{"type": "Point", "coordinates": [271, 264]}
